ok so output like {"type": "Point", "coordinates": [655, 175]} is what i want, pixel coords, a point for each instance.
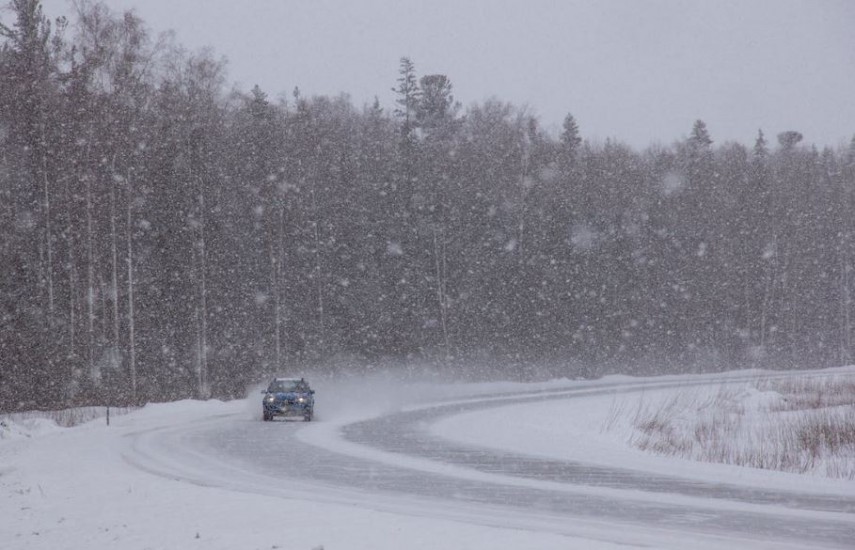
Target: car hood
{"type": "Point", "coordinates": [284, 396]}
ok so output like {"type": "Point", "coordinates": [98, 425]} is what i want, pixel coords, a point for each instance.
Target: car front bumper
{"type": "Point", "coordinates": [288, 409]}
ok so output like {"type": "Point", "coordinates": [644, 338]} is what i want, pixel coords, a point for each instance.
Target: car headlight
{"type": "Point", "coordinates": [269, 399]}
{"type": "Point", "coordinates": [301, 400]}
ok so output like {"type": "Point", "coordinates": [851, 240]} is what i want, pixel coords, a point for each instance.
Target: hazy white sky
{"type": "Point", "coordinates": [640, 71]}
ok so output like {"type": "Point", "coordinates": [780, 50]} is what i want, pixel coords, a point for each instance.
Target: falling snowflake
{"type": "Point", "coordinates": [584, 237]}
{"type": "Point", "coordinates": [394, 249]}
{"type": "Point", "coordinates": [769, 251]}
{"type": "Point", "coordinates": [672, 182]}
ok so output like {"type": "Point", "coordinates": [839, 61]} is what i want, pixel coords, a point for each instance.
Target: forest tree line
{"type": "Point", "coordinates": [163, 236]}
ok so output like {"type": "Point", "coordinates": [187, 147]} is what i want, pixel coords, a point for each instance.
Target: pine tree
{"type": "Point", "coordinates": [700, 137]}
{"type": "Point", "coordinates": [408, 100]}
{"type": "Point", "coordinates": [570, 139]}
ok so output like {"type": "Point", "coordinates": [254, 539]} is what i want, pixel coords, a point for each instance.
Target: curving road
{"type": "Point", "coordinates": [392, 463]}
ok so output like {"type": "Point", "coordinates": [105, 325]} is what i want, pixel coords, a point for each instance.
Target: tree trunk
{"type": "Point", "coordinates": [90, 283]}
{"type": "Point", "coordinates": [132, 352]}
{"type": "Point", "coordinates": [523, 194]}
{"type": "Point", "coordinates": [48, 239]}
{"type": "Point", "coordinates": [203, 299]}
{"type": "Point", "coordinates": [845, 304]}
{"type": "Point", "coordinates": [72, 273]}
{"type": "Point", "coordinates": [276, 259]}
{"type": "Point", "coordinates": [317, 270]}
{"type": "Point", "coordinates": [440, 265]}
{"type": "Point", "coordinates": [114, 291]}
{"type": "Point", "coordinates": [768, 292]}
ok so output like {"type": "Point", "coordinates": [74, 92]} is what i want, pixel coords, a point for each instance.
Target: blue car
{"type": "Point", "coordinates": [288, 397]}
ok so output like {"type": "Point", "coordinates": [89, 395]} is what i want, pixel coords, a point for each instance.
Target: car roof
{"type": "Point", "coordinates": [284, 379]}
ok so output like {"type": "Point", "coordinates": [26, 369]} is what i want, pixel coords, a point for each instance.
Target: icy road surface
{"type": "Point", "coordinates": [394, 462]}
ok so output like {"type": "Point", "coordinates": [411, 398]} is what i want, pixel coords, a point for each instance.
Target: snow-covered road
{"type": "Point", "coordinates": [402, 475]}
{"type": "Point", "coordinates": [393, 462]}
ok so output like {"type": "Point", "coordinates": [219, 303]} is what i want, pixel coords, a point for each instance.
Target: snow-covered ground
{"type": "Point", "coordinates": [607, 424]}
{"type": "Point", "coordinates": [145, 481]}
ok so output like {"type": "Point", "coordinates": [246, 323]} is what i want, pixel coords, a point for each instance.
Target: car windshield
{"type": "Point", "coordinates": [278, 386]}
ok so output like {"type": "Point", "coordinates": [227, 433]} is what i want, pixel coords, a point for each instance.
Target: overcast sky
{"type": "Point", "coordinates": [640, 71]}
